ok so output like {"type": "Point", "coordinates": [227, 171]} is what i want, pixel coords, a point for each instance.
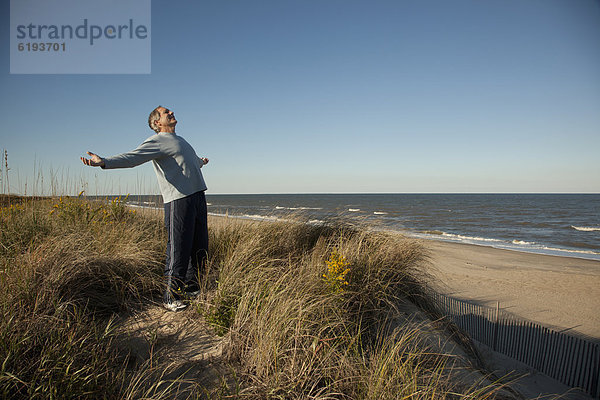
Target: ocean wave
{"type": "Point", "coordinates": [555, 249]}
{"type": "Point", "coordinates": [586, 228]}
{"type": "Point", "coordinates": [455, 237]}
{"type": "Point", "coordinates": [255, 217]}
{"type": "Point", "coordinates": [515, 245]}
{"type": "Point", "coordinates": [297, 208]}
{"type": "Point", "coordinates": [354, 209]}
{"type": "Point", "coordinates": [379, 213]}
{"type": "Point", "coordinates": [475, 238]}
{"type": "Point", "coordinates": [522, 242]}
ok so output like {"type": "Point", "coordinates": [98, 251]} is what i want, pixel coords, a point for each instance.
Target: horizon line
{"type": "Point", "coordinates": [357, 193]}
{"type": "Point", "coordinates": [313, 193]}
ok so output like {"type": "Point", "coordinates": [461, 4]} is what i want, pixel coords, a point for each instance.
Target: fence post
{"type": "Point", "coordinates": [496, 323]}
{"type": "Point", "coordinates": [545, 352]}
{"type": "Point", "coordinates": [595, 371]}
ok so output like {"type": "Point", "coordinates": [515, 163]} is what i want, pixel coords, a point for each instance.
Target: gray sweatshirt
{"type": "Point", "coordinates": [175, 162]}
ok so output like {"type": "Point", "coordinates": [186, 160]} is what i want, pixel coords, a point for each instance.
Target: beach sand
{"type": "Point", "coordinates": [559, 292]}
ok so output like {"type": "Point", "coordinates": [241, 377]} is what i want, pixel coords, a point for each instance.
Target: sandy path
{"type": "Point", "coordinates": [562, 292]}
{"type": "Point", "coordinates": [179, 346]}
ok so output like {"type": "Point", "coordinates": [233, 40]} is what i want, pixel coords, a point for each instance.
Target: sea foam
{"type": "Point", "coordinates": [522, 242]}
{"type": "Point", "coordinates": [586, 228]}
{"type": "Point", "coordinates": [297, 208]}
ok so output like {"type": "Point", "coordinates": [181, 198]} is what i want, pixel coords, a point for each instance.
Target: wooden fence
{"type": "Point", "coordinates": [571, 360]}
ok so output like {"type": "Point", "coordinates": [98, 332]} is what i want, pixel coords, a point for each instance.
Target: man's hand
{"type": "Point", "coordinates": [95, 160]}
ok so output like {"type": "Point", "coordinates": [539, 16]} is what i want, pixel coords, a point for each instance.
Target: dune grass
{"type": "Point", "coordinates": [308, 311]}
{"type": "Point", "coordinates": [67, 267]}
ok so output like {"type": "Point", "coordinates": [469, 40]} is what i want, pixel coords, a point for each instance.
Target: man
{"type": "Point", "coordinates": [182, 186]}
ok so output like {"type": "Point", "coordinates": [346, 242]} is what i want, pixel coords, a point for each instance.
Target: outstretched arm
{"type": "Point", "coordinates": [94, 161]}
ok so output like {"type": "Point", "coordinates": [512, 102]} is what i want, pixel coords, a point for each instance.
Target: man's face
{"type": "Point", "coordinates": [166, 119]}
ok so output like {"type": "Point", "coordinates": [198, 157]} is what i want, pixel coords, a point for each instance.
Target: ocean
{"type": "Point", "coordinates": [555, 224]}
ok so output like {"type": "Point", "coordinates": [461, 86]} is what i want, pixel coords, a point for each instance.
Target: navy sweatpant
{"type": "Point", "coordinates": [187, 245]}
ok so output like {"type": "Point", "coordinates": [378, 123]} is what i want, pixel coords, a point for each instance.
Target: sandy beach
{"type": "Point", "coordinates": [560, 292]}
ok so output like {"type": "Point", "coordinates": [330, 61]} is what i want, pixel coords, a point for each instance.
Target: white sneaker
{"type": "Point", "coordinates": [175, 305]}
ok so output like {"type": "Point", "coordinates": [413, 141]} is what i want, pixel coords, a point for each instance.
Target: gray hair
{"type": "Point", "coordinates": [153, 117]}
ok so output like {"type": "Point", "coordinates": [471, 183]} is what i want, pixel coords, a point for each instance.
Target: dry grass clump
{"type": "Point", "coordinates": [308, 312]}
{"type": "Point", "coordinates": [66, 266]}
{"type": "Point", "coordinates": [311, 312]}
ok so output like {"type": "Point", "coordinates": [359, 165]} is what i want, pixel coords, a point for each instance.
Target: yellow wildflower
{"type": "Point", "coordinates": [337, 269]}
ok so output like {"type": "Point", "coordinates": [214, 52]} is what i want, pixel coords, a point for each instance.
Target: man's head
{"type": "Point", "coordinates": [162, 119]}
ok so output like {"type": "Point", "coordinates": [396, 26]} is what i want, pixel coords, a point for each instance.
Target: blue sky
{"type": "Point", "coordinates": [331, 96]}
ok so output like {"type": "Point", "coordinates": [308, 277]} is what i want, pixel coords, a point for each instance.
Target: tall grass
{"type": "Point", "coordinates": [67, 266]}
{"type": "Point", "coordinates": [297, 332]}
{"type": "Point", "coordinates": [310, 312]}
